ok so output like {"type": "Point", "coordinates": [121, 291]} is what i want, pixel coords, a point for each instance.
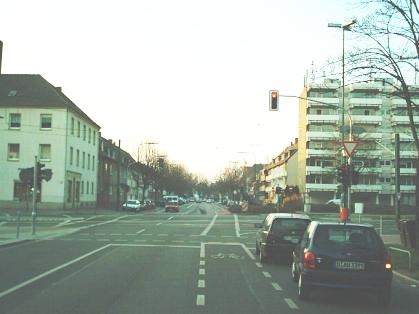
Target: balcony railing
{"type": "Point", "coordinates": [403, 120]}
{"type": "Point", "coordinates": [321, 152]}
{"type": "Point", "coordinates": [323, 119]}
{"type": "Point", "coordinates": [323, 102]}
{"type": "Point", "coordinates": [321, 187]}
{"type": "Point", "coordinates": [320, 170]}
{"type": "Point", "coordinates": [360, 119]}
{"type": "Point", "coordinates": [365, 102]}
{"type": "Point", "coordinates": [319, 135]}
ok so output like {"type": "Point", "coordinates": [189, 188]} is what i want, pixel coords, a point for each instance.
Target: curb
{"type": "Point", "coordinates": [14, 242]}
{"type": "Point", "coordinates": [406, 277]}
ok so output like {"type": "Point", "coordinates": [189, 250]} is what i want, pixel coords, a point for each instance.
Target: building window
{"type": "Point", "coordinates": [71, 155]}
{"type": "Point", "coordinates": [46, 121]}
{"type": "Point", "coordinates": [14, 121]}
{"type": "Point", "coordinates": [84, 132]}
{"type": "Point", "coordinates": [45, 152]}
{"type": "Point", "coordinates": [94, 138]}
{"type": "Point", "coordinates": [72, 126]}
{"type": "Point", "coordinates": [92, 188]}
{"type": "Point", "coordinates": [82, 187]}
{"type": "Point", "coordinates": [89, 135]}
{"type": "Point", "coordinates": [77, 158]}
{"type": "Point", "coordinates": [319, 111]}
{"type": "Point", "coordinates": [13, 152]}
{"type": "Point", "coordinates": [367, 113]}
{"type": "Point", "coordinates": [78, 128]}
{"type": "Point", "coordinates": [93, 162]}
{"type": "Point", "coordinates": [69, 191]}
{"type": "Point", "coordinates": [87, 187]}
{"type": "Point", "coordinates": [83, 161]}
{"type": "Point", "coordinates": [88, 161]}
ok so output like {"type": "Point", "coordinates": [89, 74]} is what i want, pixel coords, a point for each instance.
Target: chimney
{"type": "Point", "coordinates": [296, 140]}
{"type": "Point", "coordinates": [1, 53]}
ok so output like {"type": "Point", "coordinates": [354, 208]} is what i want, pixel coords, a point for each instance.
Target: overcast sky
{"type": "Point", "coordinates": [192, 75]}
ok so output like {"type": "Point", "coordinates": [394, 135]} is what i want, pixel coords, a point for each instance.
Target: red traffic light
{"type": "Point", "coordinates": [273, 100]}
{"type": "Point", "coordinates": [274, 94]}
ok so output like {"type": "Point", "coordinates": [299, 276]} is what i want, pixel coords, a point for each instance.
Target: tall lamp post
{"type": "Point", "coordinates": [345, 27]}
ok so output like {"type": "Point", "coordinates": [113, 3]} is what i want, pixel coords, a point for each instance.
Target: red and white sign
{"type": "Point", "coordinates": [350, 147]}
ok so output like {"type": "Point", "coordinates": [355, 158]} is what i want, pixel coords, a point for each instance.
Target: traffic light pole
{"type": "Point", "coordinates": [34, 194]}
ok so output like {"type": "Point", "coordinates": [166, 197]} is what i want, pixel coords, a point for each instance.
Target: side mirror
{"type": "Point", "coordinates": [258, 225]}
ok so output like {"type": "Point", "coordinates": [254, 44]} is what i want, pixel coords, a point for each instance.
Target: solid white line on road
{"type": "Point", "coordinates": [155, 245]}
{"type": "Point", "coordinates": [140, 231]}
{"type": "Point", "coordinates": [163, 235]}
{"type": "Point", "coordinates": [208, 228]}
{"type": "Point", "coordinates": [93, 217]}
{"type": "Point", "coordinates": [226, 236]}
{"type": "Point", "coordinates": [237, 226]}
{"type": "Point", "coordinates": [291, 304]}
{"type": "Point", "coordinates": [200, 300]}
{"type": "Point", "coordinates": [202, 252]}
{"type": "Point", "coordinates": [178, 241]}
{"type": "Point", "coordinates": [250, 254]}
{"type": "Point", "coordinates": [202, 263]}
{"type": "Point", "coordinates": [61, 223]}
{"type": "Point", "coordinates": [142, 240]}
{"type": "Point", "coordinates": [36, 278]}
{"type": "Point", "coordinates": [158, 224]}
{"type": "Point", "coordinates": [113, 234]}
{"type": "Point", "coordinates": [259, 265]}
{"type": "Point", "coordinates": [202, 271]}
{"type": "Point", "coordinates": [276, 286]}
{"type": "Point", "coordinates": [201, 283]}
{"type": "Point", "coordinates": [266, 274]}
{"type": "Point", "coordinates": [170, 218]}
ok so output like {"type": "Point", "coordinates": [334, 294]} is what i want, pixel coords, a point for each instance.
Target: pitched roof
{"type": "Point", "coordinates": [33, 91]}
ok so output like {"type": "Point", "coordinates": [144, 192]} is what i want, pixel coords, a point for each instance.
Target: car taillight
{"type": "Point", "coordinates": [271, 237]}
{"type": "Point", "coordinates": [309, 260]}
{"type": "Point", "coordinates": [387, 262]}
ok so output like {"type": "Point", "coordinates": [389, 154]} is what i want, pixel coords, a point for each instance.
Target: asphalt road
{"type": "Point", "coordinates": [200, 260]}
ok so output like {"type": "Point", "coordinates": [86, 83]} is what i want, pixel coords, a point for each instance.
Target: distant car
{"type": "Point", "coordinates": [279, 234]}
{"type": "Point", "coordinates": [134, 205]}
{"type": "Point", "coordinates": [334, 201]}
{"type": "Point", "coordinates": [342, 256]}
{"type": "Point", "coordinates": [172, 204]}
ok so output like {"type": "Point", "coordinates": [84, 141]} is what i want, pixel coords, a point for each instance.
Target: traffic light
{"type": "Point", "coordinates": [43, 174]}
{"type": "Point", "coordinates": [273, 100]}
{"type": "Point", "coordinates": [26, 176]}
{"type": "Point", "coordinates": [343, 175]}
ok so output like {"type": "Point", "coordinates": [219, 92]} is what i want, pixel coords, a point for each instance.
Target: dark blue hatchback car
{"type": "Point", "coordinates": [344, 256]}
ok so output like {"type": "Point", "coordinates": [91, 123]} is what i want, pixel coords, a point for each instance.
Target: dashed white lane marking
{"type": "Point", "coordinates": [276, 286]}
{"type": "Point", "coordinates": [291, 304]}
{"type": "Point", "coordinates": [115, 234]}
{"type": "Point", "coordinates": [140, 231]}
{"type": "Point", "coordinates": [202, 271]}
{"type": "Point", "coordinates": [178, 241]}
{"type": "Point", "coordinates": [170, 218]}
{"type": "Point", "coordinates": [266, 274]}
{"type": "Point", "coordinates": [259, 265]}
{"type": "Point", "coordinates": [208, 228]}
{"type": "Point", "coordinates": [202, 252]}
{"type": "Point", "coordinates": [163, 235]}
{"type": "Point", "coordinates": [201, 263]}
{"type": "Point", "coordinates": [200, 300]}
{"type": "Point", "coordinates": [201, 283]}
{"type": "Point", "coordinates": [158, 224]}
{"type": "Point", "coordinates": [237, 226]}
{"type": "Point", "coordinates": [141, 240]}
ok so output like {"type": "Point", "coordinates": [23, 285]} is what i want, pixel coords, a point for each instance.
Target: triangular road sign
{"type": "Point", "coordinates": [350, 147]}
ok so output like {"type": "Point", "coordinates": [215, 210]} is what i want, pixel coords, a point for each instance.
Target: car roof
{"type": "Point", "coordinates": [289, 215]}
{"type": "Point", "coordinates": [331, 223]}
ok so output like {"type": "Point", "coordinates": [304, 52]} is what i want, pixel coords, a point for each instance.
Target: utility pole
{"type": "Point", "coordinates": [34, 194]}
{"type": "Point", "coordinates": [118, 175]}
{"type": "Point", "coordinates": [397, 195]}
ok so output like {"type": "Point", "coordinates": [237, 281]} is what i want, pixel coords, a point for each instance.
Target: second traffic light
{"type": "Point", "coordinates": [273, 100]}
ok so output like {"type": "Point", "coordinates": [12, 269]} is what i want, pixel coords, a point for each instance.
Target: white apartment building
{"type": "Point", "coordinates": [37, 119]}
{"type": "Point", "coordinates": [373, 114]}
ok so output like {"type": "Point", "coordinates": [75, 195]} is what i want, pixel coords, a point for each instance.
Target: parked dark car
{"type": "Point", "coordinates": [279, 234]}
{"type": "Point", "coordinates": [342, 256]}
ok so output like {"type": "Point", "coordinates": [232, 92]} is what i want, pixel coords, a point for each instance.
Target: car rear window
{"type": "Point", "coordinates": [285, 224]}
{"type": "Point", "coordinates": [342, 236]}
{"type": "Point", "coordinates": [132, 202]}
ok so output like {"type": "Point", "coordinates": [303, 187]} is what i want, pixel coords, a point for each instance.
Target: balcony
{"type": "Point", "coordinates": [408, 188]}
{"type": "Point", "coordinates": [408, 154]}
{"type": "Point", "coordinates": [323, 102]}
{"type": "Point", "coordinates": [322, 119]}
{"type": "Point", "coordinates": [375, 120]}
{"type": "Point", "coordinates": [321, 152]}
{"type": "Point", "coordinates": [365, 102]}
{"type": "Point", "coordinates": [403, 120]}
{"type": "Point", "coordinates": [368, 153]}
{"type": "Point", "coordinates": [370, 136]}
{"type": "Point", "coordinates": [397, 103]}
{"type": "Point", "coordinates": [318, 135]}
{"type": "Point", "coordinates": [321, 187]}
{"type": "Point", "coordinates": [320, 170]}
{"type": "Point", "coordinates": [406, 171]}
{"type": "Point", "coordinates": [366, 188]}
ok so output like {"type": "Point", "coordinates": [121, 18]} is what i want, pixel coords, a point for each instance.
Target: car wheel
{"type": "Point", "coordinates": [294, 272]}
{"type": "Point", "coordinates": [302, 288]}
{"type": "Point", "coordinates": [262, 257]}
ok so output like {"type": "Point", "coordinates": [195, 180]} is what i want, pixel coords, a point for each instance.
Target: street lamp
{"type": "Point", "coordinates": [345, 27]}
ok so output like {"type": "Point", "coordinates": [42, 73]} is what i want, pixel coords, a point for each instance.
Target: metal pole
{"type": "Point", "coordinates": [118, 175]}
{"type": "Point", "coordinates": [397, 176]}
{"type": "Point", "coordinates": [345, 193]}
{"type": "Point", "coordinates": [34, 194]}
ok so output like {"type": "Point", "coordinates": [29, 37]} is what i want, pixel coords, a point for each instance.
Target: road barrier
{"type": "Point", "coordinates": [404, 251]}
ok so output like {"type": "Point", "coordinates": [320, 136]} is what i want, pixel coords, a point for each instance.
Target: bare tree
{"type": "Point", "coordinates": [389, 48]}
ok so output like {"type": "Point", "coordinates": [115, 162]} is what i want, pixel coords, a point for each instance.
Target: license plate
{"type": "Point", "coordinates": [292, 239]}
{"type": "Point", "coordinates": [350, 265]}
